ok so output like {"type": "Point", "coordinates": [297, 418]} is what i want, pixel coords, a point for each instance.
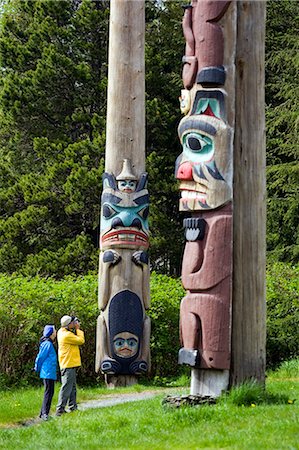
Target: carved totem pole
{"type": "Point", "coordinates": [204, 170]}
{"type": "Point", "coordinates": [123, 329]}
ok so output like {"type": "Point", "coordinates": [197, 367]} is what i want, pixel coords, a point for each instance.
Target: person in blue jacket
{"type": "Point", "coordinates": [46, 366]}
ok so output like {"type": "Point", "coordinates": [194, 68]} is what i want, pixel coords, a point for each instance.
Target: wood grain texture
{"type": "Point", "coordinates": [249, 218]}
{"type": "Point", "coordinates": [123, 275]}
{"type": "Point", "coordinates": [126, 86]}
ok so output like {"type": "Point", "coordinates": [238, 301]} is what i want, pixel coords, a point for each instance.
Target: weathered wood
{"type": "Point", "coordinates": [113, 382]}
{"type": "Point", "coordinates": [126, 87]}
{"type": "Point", "coordinates": [204, 170]}
{"type": "Point", "coordinates": [123, 329]}
{"type": "Point", "coordinates": [209, 382]}
{"type": "Point", "coordinates": [249, 330]}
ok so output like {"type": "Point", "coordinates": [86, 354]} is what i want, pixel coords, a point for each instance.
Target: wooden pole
{"type": "Point", "coordinates": [222, 181]}
{"type": "Point", "coordinates": [249, 327]}
{"type": "Point", "coordinates": [125, 138]}
{"type": "Point", "coordinates": [123, 329]}
{"type": "Point", "coordinates": [205, 172]}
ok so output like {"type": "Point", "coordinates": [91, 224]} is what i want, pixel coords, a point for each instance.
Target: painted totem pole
{"type": "Point", "coordinates": [204, 170]}
{"type": "Point", "coordinates": [123, 329]}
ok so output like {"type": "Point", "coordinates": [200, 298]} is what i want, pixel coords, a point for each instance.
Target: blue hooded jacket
{"type": "Point", "coordinates": [46, 360]}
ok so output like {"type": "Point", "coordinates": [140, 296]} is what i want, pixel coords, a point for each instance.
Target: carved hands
{"type": "Point", "coordinates": [111, 256]}
{"type": "Point", "coordinates": [140, 257]}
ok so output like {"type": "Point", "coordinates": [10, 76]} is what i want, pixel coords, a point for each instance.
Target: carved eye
{"type": "Point", "coordinates": [144, 212]}
{"type": "Point", "coordinates": [194, 142]}
{"type": "Point", "coordinates": [108, 211]}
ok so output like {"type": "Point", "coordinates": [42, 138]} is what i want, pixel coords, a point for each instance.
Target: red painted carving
{"type": "Point", "coordinates": [205, 172]}
{"type": "Point", "coordinates": [204, 39]}
{"type": "Point", "coordinates": [206, 274]}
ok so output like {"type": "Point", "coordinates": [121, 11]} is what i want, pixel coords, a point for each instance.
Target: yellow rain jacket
{"type": "Point", "coordinates": [68, 348]}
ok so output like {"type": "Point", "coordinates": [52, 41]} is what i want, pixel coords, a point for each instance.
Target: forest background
{"type": "Point", "coordinates": [53, 62]}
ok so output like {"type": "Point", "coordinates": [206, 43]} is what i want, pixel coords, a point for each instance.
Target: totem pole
{"type": "Point", "coordinates": [123, 329]}
{"type": "Point", "coordinates": [204, 170]}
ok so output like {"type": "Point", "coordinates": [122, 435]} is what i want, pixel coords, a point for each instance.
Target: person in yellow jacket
{"type": "Point", "coordinates": [69, 338]}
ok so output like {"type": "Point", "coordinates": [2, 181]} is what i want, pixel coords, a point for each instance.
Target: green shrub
{"type": "Point", "coordinates": [166, 295]}
{"type": "Point", "coordinates": [27, 304]}
{"type": "Point", "coordinates": [282, 313]}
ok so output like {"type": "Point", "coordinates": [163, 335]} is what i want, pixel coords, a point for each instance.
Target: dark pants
{"type": "Point", "coordinates": [67, 393]}
{"type": "Point", "coordinates": [48, 395]}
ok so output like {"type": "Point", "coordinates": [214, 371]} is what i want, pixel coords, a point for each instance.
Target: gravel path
{"type": "Point", "coordinates": [104, 401]}
{"type": "Point", "coordinates": [117, 399]}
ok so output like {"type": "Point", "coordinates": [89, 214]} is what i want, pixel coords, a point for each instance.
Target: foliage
{"type": "Point", "coordinates": [27, 304]}
{"type": "Point", "coordinates": [282, 313]}
{"type": "Point", "coordinates": [163, 52]}
{"type": "Point", "coordinates": [282, 98]}
{"type": "Point", "coordinates": [52, 110]}
{"type": "Point", "coordinates": [166, 295]}
{"type": "Point", "coordinates": [53, 59]}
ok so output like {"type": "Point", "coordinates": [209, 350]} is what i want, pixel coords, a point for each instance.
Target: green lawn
{"type": "Point", "coordinates": [20, 405]}
{"type": "Point", "coordinates": [248, 418]}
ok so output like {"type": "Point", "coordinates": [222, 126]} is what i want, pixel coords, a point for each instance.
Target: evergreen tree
{"type": "Point", "coordinates": [53, 62]}
{"type": "Point", "coordinates": [52, 109]}
{"type": "Point", "coordinates": [164, 50]}
{"type": "Point", "coordinates": [282, 98]}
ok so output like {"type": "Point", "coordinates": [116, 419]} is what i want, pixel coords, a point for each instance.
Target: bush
{"type": "Point", "coordinates": [282, 313]}
{"type": "Point", "coordinates": [166, 296]}
{"type": "Point", "coordinates": [27, 304]}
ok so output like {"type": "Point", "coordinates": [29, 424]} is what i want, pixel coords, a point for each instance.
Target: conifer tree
{"type": "Point", "coordinates": [282, 98]}
{"type": "Point", "coordinates": [52, 109]}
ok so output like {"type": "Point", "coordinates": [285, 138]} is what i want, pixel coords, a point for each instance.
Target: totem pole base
{"type": "Point", "coordinates": [113, 381]}
{"type": "Point", "coordinates": [209, 383]}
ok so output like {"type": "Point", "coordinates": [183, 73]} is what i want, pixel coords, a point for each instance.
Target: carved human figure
{"type": "Point", "coordinates": [203, 60]}
{"type": "Point", "coordinates": [204, 167]}
{"type": "Point", "coordinates": [206, 275]}
{"type": "Point", "coordinates": [204, 171]}
{"type": "Point", "coordinates": [123, 330]}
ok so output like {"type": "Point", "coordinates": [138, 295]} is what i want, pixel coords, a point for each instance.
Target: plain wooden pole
{"type": "Point", "coordinates": [125, 135]}
{"type": "Point", "coordinates": [248, 313]}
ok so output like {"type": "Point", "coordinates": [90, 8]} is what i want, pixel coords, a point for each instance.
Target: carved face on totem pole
{"type": "Point", "coordinates": [124, 214]}
{"type": "Point", "coordinates": [124, 329]}
{"type": "Point", "coordinates": [203, 168]}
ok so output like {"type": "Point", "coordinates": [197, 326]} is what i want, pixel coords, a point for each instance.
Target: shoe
{"type": "Point", "coordinates": [44, 417]}
{"type": "Point", "coordinates": [59, 412]}
{"type": "Point", "coordinates": [74, 409]}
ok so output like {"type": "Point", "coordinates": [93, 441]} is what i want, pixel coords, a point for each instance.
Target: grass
{"type": "Point", "coordinates": [19, 405]}
{"type": "Point", "coordinates": [246, 418]}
